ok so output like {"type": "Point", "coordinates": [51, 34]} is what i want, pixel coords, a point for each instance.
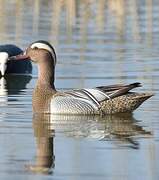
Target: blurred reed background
{"type": "Point", "coordinates": [125, 19]}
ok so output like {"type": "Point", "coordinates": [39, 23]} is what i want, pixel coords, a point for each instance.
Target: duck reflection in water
{"type": "Point", "coordinates": [13, 84]}
{"type": "Point", "coordinates": [44, 136]}
{"type": "Point", "coordinates": [120, 129]}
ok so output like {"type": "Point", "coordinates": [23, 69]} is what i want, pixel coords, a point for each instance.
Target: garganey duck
{"type": "Point", "coordinates": [99, 100]}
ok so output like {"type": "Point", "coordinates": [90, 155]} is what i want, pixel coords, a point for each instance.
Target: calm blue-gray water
{"type": "Point", "coordinates": [97, 43]}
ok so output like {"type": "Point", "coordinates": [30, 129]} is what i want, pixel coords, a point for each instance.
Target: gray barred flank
{"type": "Point", "coordinates": [68, 105]}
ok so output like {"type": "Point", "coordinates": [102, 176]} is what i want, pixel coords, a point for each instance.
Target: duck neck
{"type": "Point", "coordinates": [46, 75]}
{"type": "Point", "coordinates": [44, 89]}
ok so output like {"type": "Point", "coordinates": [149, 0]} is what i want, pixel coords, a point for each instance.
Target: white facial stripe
{"type": "Point", "coordinates": [46, 47]}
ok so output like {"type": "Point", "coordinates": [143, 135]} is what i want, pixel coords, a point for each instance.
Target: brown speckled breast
{"type": "Point", "coordinates": [41, 99]}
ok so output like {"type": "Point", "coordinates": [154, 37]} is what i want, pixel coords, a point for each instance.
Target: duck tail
{"type": "Point", "coordinates": [143, 96]}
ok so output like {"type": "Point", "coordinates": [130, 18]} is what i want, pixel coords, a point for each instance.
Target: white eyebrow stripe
{"type": "Point", "coordinates": [46, 47]}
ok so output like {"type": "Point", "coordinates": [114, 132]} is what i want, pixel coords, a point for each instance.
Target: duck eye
{"type": "Point", "coordinates": [35, 48]}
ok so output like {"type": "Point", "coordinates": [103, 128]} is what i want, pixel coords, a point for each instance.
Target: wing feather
{"type": "Point", "coordinates": [103, 93]}
{"type": "Point", "coordinates": [119, 89]}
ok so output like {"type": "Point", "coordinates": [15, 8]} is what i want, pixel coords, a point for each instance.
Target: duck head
{"type": "Point", "coordinates": [3, 62]}
{"type": "Point", "coordinates": [43, 54]}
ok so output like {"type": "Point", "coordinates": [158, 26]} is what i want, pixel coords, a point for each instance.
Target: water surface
{"type": "Point", "coordinates": [97, 43]}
